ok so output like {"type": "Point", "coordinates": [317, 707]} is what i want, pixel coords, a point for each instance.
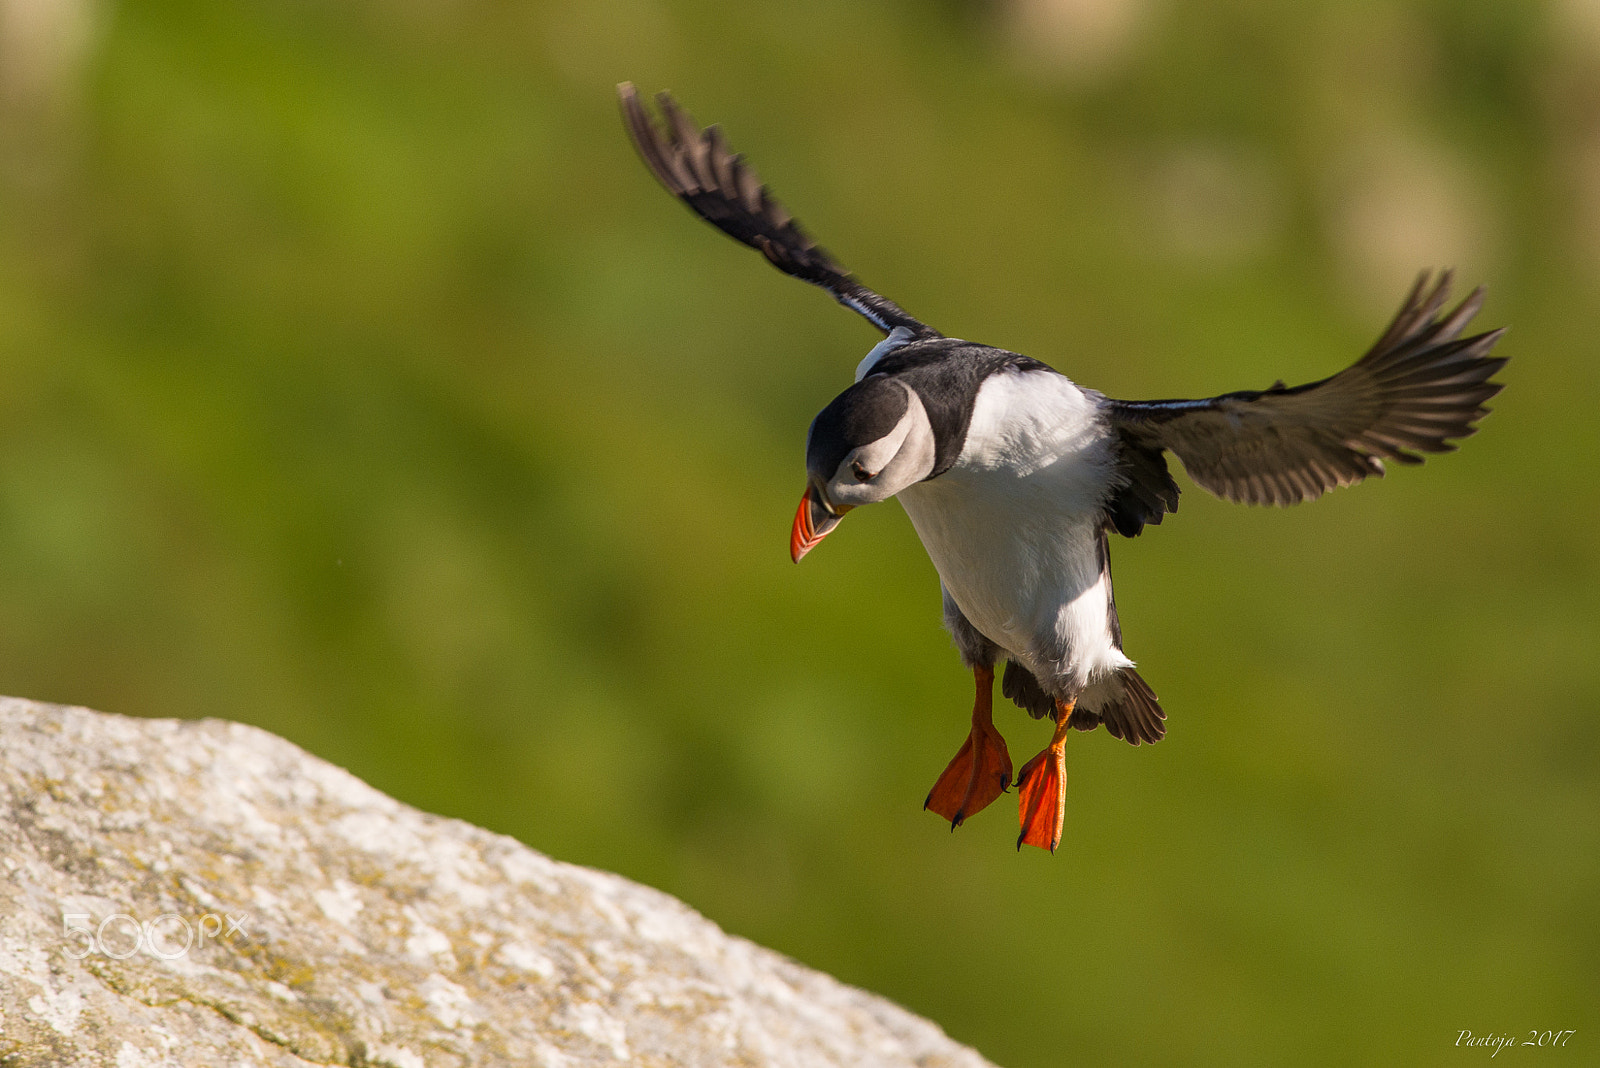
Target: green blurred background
{"type": "Point", "coordinates": [356, 381]}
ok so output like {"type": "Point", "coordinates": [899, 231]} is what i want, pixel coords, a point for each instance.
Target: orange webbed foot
{"type": "Point", "coordinates": [980, 772]}
{"type": "Point", "coordinates": [1042, 799]}
{"type": "Point", "coordinates": [1042, 790]}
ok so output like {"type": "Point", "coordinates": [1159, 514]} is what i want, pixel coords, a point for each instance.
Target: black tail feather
{"type": "Point", "coordinates": [1136, 716]}
{"type": "Point", "coordinates": [1024, 690]}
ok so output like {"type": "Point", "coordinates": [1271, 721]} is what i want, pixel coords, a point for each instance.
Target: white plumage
{"type": "Point", "coordinates": [1013, 527]}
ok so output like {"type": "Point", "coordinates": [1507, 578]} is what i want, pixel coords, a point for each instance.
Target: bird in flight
{"type": "Point", "coordinates": [1014, 476]}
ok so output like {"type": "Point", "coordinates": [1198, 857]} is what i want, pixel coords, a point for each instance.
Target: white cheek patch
{"type": "Point", "coordinates": [898, 459]}
{"type": "Point", "coordinates": [877, 455]}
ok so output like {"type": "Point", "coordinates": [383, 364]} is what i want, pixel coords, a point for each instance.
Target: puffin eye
{"type": "Point", "coordinates": [861, 473]}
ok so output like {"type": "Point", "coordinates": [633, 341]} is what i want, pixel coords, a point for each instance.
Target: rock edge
{"type": "Point", "coordinates": [205, 893]}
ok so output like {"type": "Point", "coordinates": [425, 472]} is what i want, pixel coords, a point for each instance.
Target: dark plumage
{"type": "Point", "coordinates": [697, 167]}
{"type": "Point", "coordinates": [1418, 387]}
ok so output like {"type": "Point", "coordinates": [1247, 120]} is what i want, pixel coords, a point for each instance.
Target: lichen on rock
{"type": "Point", "coordinates": [205, 893]}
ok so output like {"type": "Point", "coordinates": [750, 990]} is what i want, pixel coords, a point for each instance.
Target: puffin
{"type": "Point", "coordinates": [1015, 477]}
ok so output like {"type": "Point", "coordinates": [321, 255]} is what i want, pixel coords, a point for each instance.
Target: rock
{"type": "Point", "coordinates": [204, 893]}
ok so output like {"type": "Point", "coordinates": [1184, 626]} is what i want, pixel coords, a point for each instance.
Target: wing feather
{"type": "Point", "coordinates": [1417, 389]}
{"type": "Point", "coordinates": [698, 168]}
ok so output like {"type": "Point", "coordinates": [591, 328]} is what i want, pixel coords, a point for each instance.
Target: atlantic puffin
{"type": "Point", "coordinates": [1014, 476]}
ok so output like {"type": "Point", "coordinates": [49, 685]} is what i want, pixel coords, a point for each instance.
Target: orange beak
{"type": "Point", "coordinates": [812, 522]}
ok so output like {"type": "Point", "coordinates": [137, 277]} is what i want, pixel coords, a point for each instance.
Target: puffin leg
{"type": "Point", "coordinates": [1042, 789]}
{"type": "Point", "coordinates": [981, 771]}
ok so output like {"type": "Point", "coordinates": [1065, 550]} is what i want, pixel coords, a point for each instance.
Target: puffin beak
{"type": "Point", "coordinates": [811, 523]}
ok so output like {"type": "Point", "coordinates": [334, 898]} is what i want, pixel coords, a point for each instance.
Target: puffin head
{"type": "Point", "coordinates": [870, 443]}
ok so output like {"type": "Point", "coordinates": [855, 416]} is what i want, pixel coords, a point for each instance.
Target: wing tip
{"type": "Point", "coordinates": [699, 168]}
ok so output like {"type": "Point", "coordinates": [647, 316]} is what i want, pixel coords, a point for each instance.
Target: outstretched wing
{"type": "Point", "coordinates": [698, 168]}
{"type": "Point", "coordinates": [1420, 386]}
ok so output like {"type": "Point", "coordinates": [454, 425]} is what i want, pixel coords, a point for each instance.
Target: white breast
{"type": "Point", "coordinates": [1012, 527]}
